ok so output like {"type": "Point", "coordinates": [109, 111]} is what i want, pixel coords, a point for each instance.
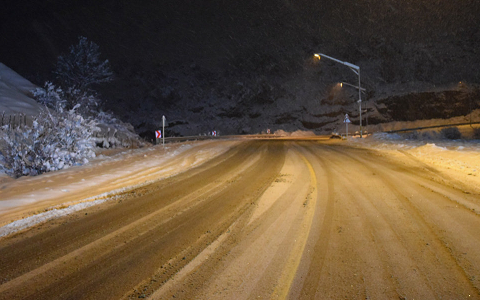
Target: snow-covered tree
{"type": "Point", "coordinates": [82, 66]}
{"type": "Point", "coordinates": [88, 104]}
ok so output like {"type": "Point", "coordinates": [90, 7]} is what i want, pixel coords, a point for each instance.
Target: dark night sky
{"type": "Point", "coordinates": [34, 33]}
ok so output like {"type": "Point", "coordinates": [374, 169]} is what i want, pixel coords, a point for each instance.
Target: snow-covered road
{"type": "Point", "coordinates": [27, 201]}
{"type": "Point", "coordinates": [48, 195]}
{"type": "Point", "coordinates": [297, 218]}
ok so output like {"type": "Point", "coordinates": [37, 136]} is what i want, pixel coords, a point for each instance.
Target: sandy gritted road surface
{"type": "Point", "coordinates": [272, 219]}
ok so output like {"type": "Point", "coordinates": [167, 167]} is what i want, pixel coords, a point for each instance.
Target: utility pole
{"type": "Point", "coordinates": [355, 69]}
{"type": "Point", "coordinates": [163, 130]}
{"type": "Point", "coordinates": [359, 101]}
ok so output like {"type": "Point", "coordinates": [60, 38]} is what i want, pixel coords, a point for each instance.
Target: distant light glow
{"type": "Point", "coordinates": [316, 55]}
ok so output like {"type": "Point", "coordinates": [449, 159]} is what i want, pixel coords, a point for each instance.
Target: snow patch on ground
{"type": "Point", "coordinates": [393, 141]}
{"type": "Point", "coordinates": [459, 159]}
{"type": "Point", "coordinates": [298, 133]}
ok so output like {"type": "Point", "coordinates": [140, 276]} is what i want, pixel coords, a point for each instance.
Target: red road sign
{"type": "Point", "coordinates": [158, 134]}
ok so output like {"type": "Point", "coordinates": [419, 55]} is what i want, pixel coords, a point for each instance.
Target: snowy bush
{"type": "Point", "coordinates": [50, 96]}
{"type": "Point", "coordinates": [56, 141]}
{"type": "Point", "coordinates": [451, 133]}
{"type": "Point", "coordinates": [82, 66]}
{"type": "Point", "coordinates": [115, 133]}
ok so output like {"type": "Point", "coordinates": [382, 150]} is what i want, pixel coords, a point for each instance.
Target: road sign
{"type": "Point", "coordinates": [158, 134]}
{"type": "Point", "coordinates": [214, 133]}
{"type": "Point", "coordinates": [346, 121]}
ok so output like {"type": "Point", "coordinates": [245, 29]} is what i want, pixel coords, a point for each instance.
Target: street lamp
{"type": "Point", "coordinates": [354, 86]}
{"type": "Point", "coordinates": [355, 69]}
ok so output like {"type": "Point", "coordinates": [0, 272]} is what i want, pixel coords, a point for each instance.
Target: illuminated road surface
{"type": "Point", "coordinates": [268, 219]}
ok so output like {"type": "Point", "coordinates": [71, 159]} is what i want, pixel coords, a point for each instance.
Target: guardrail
{"type": "Point", "coordinates": [246, 136]}
{"type": "Point", "coordinates": [190, 138]}
{"type": "Point", "coordinates": [431, 127]}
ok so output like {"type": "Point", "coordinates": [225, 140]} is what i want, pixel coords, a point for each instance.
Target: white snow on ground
{"type": "Point", "coordinates": [298, 133]}
{"type": "Point", "coordinates": [60, 193]}
{"type": "Point", "coordinates": [16, 94]}
{"type": "Point", "coordinates": [43, 217]}
{"type": "Point", "coordinates": [458, 159]}
{"type": "Point", "coordinates": [394, 141]}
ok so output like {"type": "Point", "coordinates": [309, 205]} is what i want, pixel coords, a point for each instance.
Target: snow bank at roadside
{"type": "Point", "coordinates": [298, 133]}
{"type": "Point", "coordinates": [45, 216]}
{"type": "Point", "coordinates": [393, 141]}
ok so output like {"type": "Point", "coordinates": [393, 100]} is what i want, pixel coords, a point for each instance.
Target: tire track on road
{"type": "Point", "coordinates": [381, 245]}
{"type": "Point", "coordinates": [97, 224]}
{"type": "Point", "coordinates": [284, 283]}
{"type": "Point", "coordinates": [263, 248]}
{"type": "Point", "coordinates": [320, 233]}
{"type": "Point", "coordinates": [98, 246]}
{"type": "Point", "coordinates": [236, 225]}
{"type": "Point", "coordinates": [225, 171]}
{"type": "Point", "coordinates": [425, 230]}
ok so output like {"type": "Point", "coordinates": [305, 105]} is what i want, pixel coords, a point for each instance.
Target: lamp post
{"type": "Point", "coordinates": [355, 69]}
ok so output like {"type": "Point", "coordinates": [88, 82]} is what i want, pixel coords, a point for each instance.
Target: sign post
{"type": "Point", "coordinates": [163, 129]}
{"type": "Point", "coordinates": [346, 121]}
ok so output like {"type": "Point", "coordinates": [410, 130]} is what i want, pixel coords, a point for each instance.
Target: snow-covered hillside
{"type": "Point", "coordinates": [16, 94]}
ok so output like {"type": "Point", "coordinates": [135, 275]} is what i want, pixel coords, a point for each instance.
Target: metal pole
{"type": "Point", "coordinates": [163, 130]}
{"type": "Point", "coordinates": [360, 102]}
{"type": "Point", "coordinates": [354, 86]}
